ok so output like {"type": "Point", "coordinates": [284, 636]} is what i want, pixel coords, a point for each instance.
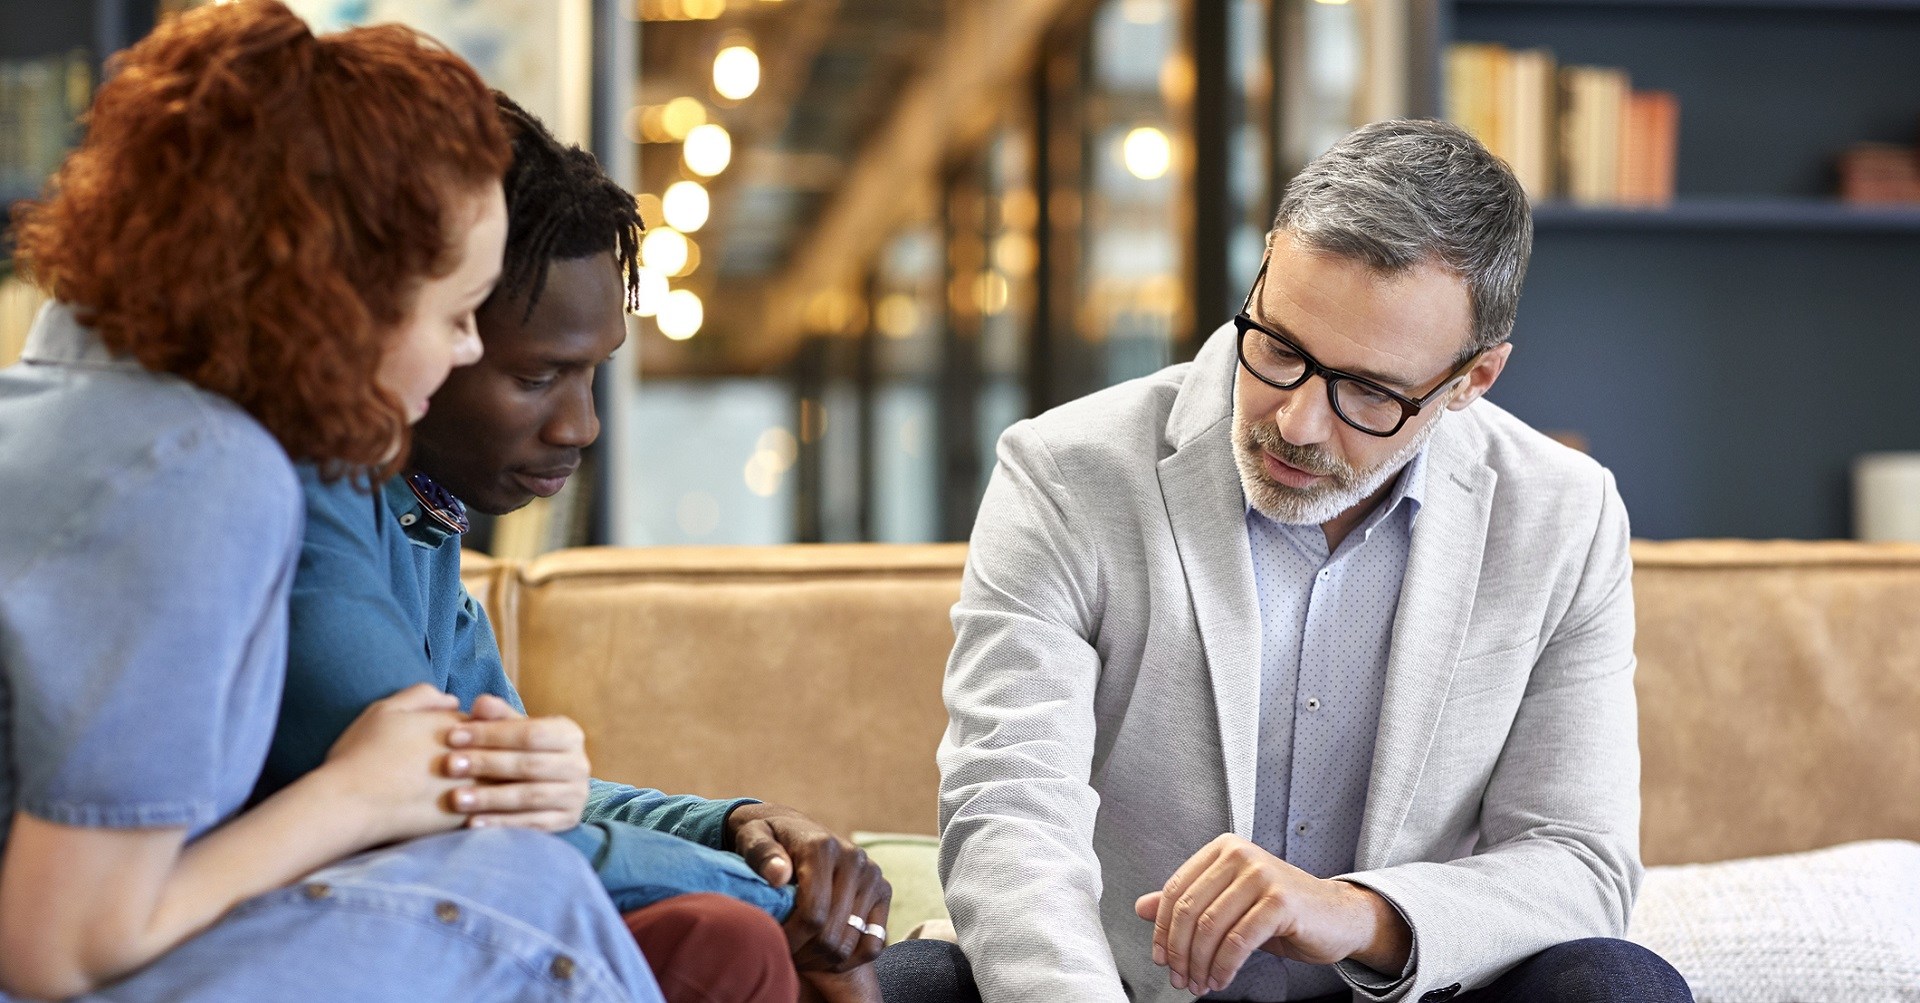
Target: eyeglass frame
{"type": "Point", "coordinates": [1409, 407]}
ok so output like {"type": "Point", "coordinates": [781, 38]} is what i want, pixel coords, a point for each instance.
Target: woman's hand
{"type": "Point", "coordinates": [533, 770]}
{"type": "Point", "coordinates": [390, 765]}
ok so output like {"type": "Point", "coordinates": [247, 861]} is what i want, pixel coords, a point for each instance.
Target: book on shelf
{"type": "Point", "coordinates": [1649, 129]}
{"type": "Point", "coordinates": [1575, 132]}
{"type": "Point", "coordinates": [1590, 133]}
{"type": "Point", "coordinates": [1880, 174]}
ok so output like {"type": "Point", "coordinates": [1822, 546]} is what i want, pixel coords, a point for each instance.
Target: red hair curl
{"type": "Point", "coordinates": [254, 207]}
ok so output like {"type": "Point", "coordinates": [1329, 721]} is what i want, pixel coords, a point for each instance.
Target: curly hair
{"type": "Point", "coordinates": [255, 207]}
{"type": "Point", "coordinates": [561, 205]}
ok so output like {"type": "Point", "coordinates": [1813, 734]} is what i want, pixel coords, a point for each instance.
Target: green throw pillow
{"type": "Point", "coordinates": [912, 864]}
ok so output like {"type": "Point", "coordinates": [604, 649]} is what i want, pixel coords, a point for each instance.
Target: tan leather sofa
{"type": "Point", "coordinates": [1779, 682]}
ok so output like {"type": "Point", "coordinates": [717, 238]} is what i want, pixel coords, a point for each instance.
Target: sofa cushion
{"type": "Point", "coordinates": [495, 585]}
{"type": "Point", "coordinates": [1840, 925]}
{"type": "Point", "coordinates": [808, 676]}
{"type": "Point", "coordinates": [912, 866]}
{"type": "Point", "coordinates": [1779, 688]}
{"type": "Point", "coordinates": [811, 674]}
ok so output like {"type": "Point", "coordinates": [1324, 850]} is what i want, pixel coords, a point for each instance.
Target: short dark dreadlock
{"type": "Point", "coordinates": [560, 206]}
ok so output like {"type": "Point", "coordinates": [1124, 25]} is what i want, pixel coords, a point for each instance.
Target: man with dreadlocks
{"type": "Point", "coordinates": [377, 606]}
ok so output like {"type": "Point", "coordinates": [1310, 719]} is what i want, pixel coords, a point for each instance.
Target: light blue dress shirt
{"type": "Point", "coordinates": [149, 532]}
{"type": "Point", "coordinates": [1326, 622]}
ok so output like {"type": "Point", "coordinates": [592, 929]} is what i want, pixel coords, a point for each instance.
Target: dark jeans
{"type": "Point", "coordinates": [1581, 971]}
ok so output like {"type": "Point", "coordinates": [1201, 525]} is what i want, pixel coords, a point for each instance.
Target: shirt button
{"type": "Point", "coordinates": [1323, 576]}
{"type": "Point", "coordinates": [562, 967]}
{"type": "Point", "coordinates": [1302, 827]}
{"type": "Point", "coordinates": [317, 890]}
{"type": "Point", "coordinates": [447, 911]}
{"type": "Point", "coordinates": [1313, 703]}
{"type": "Point", "coordinates": [409, 519]}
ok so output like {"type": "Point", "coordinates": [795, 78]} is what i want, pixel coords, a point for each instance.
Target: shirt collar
{"type": "Point", "coordinates": [1408, 491]}
{"type": "Point", "coordinates": [1411, 485]}
{"type": "Point", "coordinates": [429, 514]}
{"type": "Point", "coordinates": [58, 338]}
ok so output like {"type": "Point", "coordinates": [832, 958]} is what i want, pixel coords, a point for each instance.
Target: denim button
{"type": "Point", "coordinates": [447, 911]}
{"type": "Point", "coordinates": [562, 967]}
{"type": "Point", "coordinates": [317, 890]}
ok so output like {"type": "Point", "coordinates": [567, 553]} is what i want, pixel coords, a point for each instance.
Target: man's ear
{"type": "Point", "coordinates": [1481, 377]}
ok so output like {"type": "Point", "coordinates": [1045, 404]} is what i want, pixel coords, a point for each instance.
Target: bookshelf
{"type": "Point", "coordinates": [1729, 354]}
{"type": "Point", "coordinates": [1809, 5]}
{"type": "Point", "coordinates": [48, 31]}
{"type": "Point", "coordinates": [1733, 214]}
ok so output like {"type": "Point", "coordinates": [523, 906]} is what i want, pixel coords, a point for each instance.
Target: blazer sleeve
{"type": "Point", "coordinates": [1558, 858]}
{"type": "Point", "coordinates": [1016, 806]}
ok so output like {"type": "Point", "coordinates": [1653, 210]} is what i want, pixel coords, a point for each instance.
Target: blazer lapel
{"type": "Point", "coordinates": [1207, 511]}
{"type": "Point", "coordinates": [1436, 601]}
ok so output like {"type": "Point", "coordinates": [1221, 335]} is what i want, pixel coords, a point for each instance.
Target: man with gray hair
{"type": "Point", "coordinates": [1301, 671]}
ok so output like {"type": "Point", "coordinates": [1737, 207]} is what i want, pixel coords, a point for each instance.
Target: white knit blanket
{"type": "Point", "coordinates": [1839, 925]}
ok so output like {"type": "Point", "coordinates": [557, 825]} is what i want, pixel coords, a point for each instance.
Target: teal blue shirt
{"type": "Point", "coordinates": [378, 606]}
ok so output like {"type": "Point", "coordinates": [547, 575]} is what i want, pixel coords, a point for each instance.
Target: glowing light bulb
{"type": "Point", "coordinates": [682, 314]}
{"type": "Point", "coordinates": [681, 116]}
{"type": "Point", "coordinates": [736, 73]}
{"type": "Point", "coordinates": [898, 316]}
{"type": "Point", "coordinates": [708, 150]}
{"type": "Point", "coordinates": [686, 206]}
{"type": "Point", "coordinates": [650, 291]}
{"type": "Point", "coordinates": [1147, 153]}
{"type": "Point", "coordinates": [664, 250]}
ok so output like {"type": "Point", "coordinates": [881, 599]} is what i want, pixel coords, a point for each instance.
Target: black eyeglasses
{"type": "Point", "coordinates": [1275, 360]}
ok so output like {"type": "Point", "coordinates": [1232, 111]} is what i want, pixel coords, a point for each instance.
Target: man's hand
{"type": "Point", "coordinates": [833, 880]}
{"type": "Point", "coordinates": [533, 770]}
{"type": "Point", "coordinates": [1233, 898]}
{"type": "Point", "coordinates": [389, 764]}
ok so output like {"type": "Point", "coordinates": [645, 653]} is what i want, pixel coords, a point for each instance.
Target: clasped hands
{"type": "Point", "coordinates": [499, 767]}
{"type": "Point", "coordinates": [1233, 898]}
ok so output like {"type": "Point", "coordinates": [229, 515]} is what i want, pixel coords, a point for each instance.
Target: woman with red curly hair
{"type": "Point", "coordinates": [268, 249]}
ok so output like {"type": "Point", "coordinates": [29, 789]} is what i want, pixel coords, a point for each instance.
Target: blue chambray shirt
{"type": "Point", "coordinates": [149, 533]}
{"type": "Point", "coordinates": [378, 605]}
{"type": "Point", "coordinates": [1326, 623]}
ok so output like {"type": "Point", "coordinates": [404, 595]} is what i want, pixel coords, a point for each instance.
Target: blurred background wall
{"type": "Point", "coordinates": [884, 230]}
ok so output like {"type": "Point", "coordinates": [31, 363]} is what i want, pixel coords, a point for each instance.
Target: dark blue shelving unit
{"type": "Point", "coordinates": [35, 30]}
{"type": "Point", "coordinates": [1730, 354]}
{"type": "Point", "coordinates": [1734, 214]}
{"type": "Point", "coordinates": [1735, 6]}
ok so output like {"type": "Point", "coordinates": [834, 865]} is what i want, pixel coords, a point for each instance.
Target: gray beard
{"type": "Point", "coordinates": [1343, 489]}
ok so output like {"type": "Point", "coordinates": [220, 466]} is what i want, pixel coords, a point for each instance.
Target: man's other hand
{"type": "Point", "coordinates": [1233, 898]}
{"type": "Point", "coordinates": [834, 881]}
{"type": "Point", "coordinates": [532, 770]}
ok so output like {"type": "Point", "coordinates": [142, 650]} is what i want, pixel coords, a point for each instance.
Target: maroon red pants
{"type": "Point", "coordinates": [712, 949]}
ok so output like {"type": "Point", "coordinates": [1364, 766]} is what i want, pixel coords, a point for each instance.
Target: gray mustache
{"type": "Point", "coordinates": [1311, 459]}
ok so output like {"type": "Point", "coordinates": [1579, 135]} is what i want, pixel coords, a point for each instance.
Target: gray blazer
{"type": "Point", "coordinates": [1102, 696]}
